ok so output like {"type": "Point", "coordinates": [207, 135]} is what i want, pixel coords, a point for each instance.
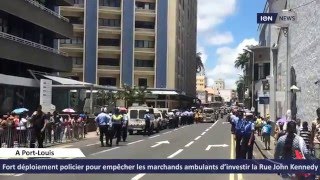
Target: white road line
{"type": "Point", "coordinates": [135, 142]}
{"type": "Point", "coordinates": [137, 177]}
{"type": "Point", "coordinates": [92, 144]}
{"type": "Point", "coordinates": [167, 132]}
{"type": "Point", "coordinates": [182, 127]}
{"type": "Point", "coordinates": [197, 138]}
{"type": "Point", "coordinates": [175, 129]}
{"type": "Point", "coordinates": [155, 145]}
{"type": "Point", "coordinates": [203, 133]}
{"type": "Point", "coordinates": [65, 146]}
{"type": "Point", "coordinates": [174, 154]}
{"type": "Point", "coordinates": [104, 151]}
{"type": "Point", "coordinates": [18, 175]}
{"type": "Point", "coordinates": [154, 136]}
{"type": "Point", "coordinates": [207, 130]}
{"type": "Point", "coordinates": [189, 144]}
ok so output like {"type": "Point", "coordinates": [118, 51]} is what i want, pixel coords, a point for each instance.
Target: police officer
{"type": "Point", "coordinates": [147, 119]}
{"type": "Point", "coordinates": [124, 126]}
{"type": "Point", "coordinates": [238, 132]}
{"type": "Point", "coordinates": [248, 137]}
{"type": "Point", "coordinates": [103, 120]}
{"type": "Point", "coordinates": [117, 122]}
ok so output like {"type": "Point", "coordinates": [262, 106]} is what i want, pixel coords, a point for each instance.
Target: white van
{"type": "Point", "coordinates": [136, 120]}
{"type": "Point", "coordinates": [208, 115]}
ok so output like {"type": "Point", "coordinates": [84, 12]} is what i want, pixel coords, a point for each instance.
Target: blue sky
{"type": "Point", "coordinates": [225, 27]}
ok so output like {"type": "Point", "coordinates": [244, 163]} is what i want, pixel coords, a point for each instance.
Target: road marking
{"type": "Point", "coordinates": [154, 136]}
{"type": "Point", "coordinates": [65, 146]}
{"type": "Point", "coordinates": [240, 177]}
{"type": "Point", "coordinates": [175, 129]}
{"type": "Point", "coordinates": [189, 144]}
{"type": "Point", "coordinates": [137, 177]}
{"type": "Point", "coordinates": [207, 130]}
{"type": "Point", "coordinates": [135, 142]}
{"type": "Point", "coordinates": [203, 133]}
{"type": "Point", "coordinates": [92, 144]}
{"type": "Point", "coordinates": [104, 151]}
{"type": "Point", "coordinates": [218, 145]}
{"type": "Point", "coordinates": [174, 154]}
{"type": "Point", "coordinates": [167, 132]}
{"type": "Point", "coordinates": [18, 175]}
{"type": "Point", "coordinates": [231, 176]}
{"type": "Point", "coordinates": [159, 143]}
{"type": "Point", "coordinates": [182, 127]}
{"type": "Point", "coordinates": [197, 138]}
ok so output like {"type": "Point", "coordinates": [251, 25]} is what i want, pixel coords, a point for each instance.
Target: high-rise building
{"type": "Point", "coordinates": [219, 84]}
{"type": "Point", "coordinates": [135, 42]}
{"type": "Point", "coordinates": [28, 30]}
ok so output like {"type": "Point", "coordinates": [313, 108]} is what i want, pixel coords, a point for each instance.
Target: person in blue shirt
{"type": "Point", "coordinates": [238, 122]}
{"type": "Point", "coordinates": [266, 133]}
{"type": "Point", "coordinates": [248, 137]}
{"type": "Point", "coordinates": [147, 127]}
{"type": "Point", "coordinates": [103, 121]}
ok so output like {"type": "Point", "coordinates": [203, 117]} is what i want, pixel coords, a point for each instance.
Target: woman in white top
{"type": "Point", "coordinates": [22, 130]}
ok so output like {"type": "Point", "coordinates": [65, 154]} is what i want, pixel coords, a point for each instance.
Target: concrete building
{"type": "Point", "coordinates": [219, 84]}
{"type": "Point", "coordinates": [135, 42]}
{"type": "Point", "coordinates": [295, 63]}
{"type": "Point", "coordinates": [201, 86]}
{"type": "Point", "coordinates": [28, 31]}
{"type": "Point", "coordinates": [226, 94]}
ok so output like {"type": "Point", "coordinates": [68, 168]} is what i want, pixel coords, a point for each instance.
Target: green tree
{"type": "Point", "coordinates": [106, 97]}
{"type": "Point", "coordinates": [241, 88]}
{"type": "Point", "coordinates": [199, 62]}
{"type": "Point", "coordinates": [136, 94]}
{"type": "Point", "coordinates": [242, 59]}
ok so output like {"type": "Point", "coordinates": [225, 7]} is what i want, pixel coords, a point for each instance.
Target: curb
{"type": "Point", "coordinates": [260, 150]}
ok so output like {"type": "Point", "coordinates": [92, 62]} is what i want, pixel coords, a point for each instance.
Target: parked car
{"type": "Point", "coordinates": [136, 120]}
{"type": "Point", "coordinates": [159, 118]}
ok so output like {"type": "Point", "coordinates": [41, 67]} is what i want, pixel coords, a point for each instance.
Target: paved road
{"type": "Point", "coordinates": [187, 142]}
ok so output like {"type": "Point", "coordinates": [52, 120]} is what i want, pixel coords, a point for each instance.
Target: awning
{"type": "Point", "coordinates": [164, 92]}
{"type": "Point", "coordinates": [65, 81]}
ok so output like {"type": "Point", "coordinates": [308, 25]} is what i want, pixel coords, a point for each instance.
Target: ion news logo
{"type": "Point", "coordinates": [284, 18]}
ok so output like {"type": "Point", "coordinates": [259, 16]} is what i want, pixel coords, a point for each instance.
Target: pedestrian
{"type": "Point", "coordinates": [258, 124]}
{"type": "Point", "coordinates": [266, 133]}
{"type": "Point", "coordinates": [39, 122]}
{"type": "Point", "coordinates": [291, 146]}
{"type": "Point", "coordinates": [117, 122]}
{"type": "Point", "coordinates": [22, 130]}
{"type": "Point", "coordinates": [124, 126]}
{"type": "Point", "coordinates": [57, 120]}
{"type": "Point", "coordinates": [103, 121]}
{"type": "Point", "coordinates": [305, 133]}
{"type": "Point", "coordinates": [49, 127]}
{"type": "Point", "coordinates": [147, 127]}
{"type": "Point", "coordinates": [248, 137]}
{"type": "Point", "coordinates": [238, 133]}
{"type": "Point", "coordinates": [315, 132]}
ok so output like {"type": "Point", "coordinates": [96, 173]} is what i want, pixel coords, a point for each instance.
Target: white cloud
{"type": "Point", "coordinates": [225, 66]}
{"type": "Point", "coordinates": [204, 55]}
{"type": "Point", "coordinates": [221, 38]}
{"type": "Point", "coordinates": [213, 12]}
{"type": "Point", "coordinates": [210, 82]}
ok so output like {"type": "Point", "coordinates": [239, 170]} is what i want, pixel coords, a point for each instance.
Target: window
{"type": "Point", "coordinates": [77, 60]}
{"type": "Point", "coordinates": [108, 62]}
{"type": "Point", "coordinates": [110, 3]}
{"type": "Point", "coordinates": [78, 1]}
{"type": "Point", "coordinates": [109, 42]}
{"type": "Point", "coordinates": [108, 81]}
{"type": "Point", "coordinates": [133, 114]}
{"type": "Point", "coordinates": [143, 24]}
{"type": "Point", "coordinates": [144, 44]}
{"type": "Point", "coordinates": [75, 20]}
{"type": "Point", "coordinates": [143, 63]}
{"type": "Point", "coordinates": [261, 72]}
{"type": "Point", "coordinates": [76, 40]}
{"type": "Point", "coordinates": [143, 82]}
{"type": "Point", "coordinates": [110, 22]}
{"type": "Point", "coordinates": [3, 25]}
{"type": "Point", "coordinates": [145, 5]}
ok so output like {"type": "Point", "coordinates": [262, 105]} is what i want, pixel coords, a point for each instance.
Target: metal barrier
{"type": "Point", "coordinates": [11, 137]}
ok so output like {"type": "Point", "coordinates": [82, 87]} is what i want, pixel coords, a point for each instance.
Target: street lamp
{"type": "Point", "coordinates": [252, 76]}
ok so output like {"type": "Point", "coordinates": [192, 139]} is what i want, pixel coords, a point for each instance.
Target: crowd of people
{"type": "Point", "coordinates": [22, 130]}
{"type": "Point", "coordinates": [293, 139]}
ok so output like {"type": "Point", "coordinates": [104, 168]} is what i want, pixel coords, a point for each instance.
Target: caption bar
{"type": "Point", "coordinates": [174, 166]}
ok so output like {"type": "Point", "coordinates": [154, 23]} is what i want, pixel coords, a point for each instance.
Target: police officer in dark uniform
{"type": "Point", "coordinates": [147, 127]}
{"type": "Point", "coordinates": [238, 132]}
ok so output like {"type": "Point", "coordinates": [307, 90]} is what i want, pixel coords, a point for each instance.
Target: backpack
{"type": "Point", "coordinates": [264, 130]}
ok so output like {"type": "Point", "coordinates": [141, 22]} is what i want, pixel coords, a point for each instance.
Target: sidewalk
{"type": "Point", "coordinates": [90, 135]}
{"type": "Point", "coordinates": [268, 154]}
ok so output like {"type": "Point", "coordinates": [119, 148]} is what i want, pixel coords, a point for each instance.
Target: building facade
{"type": "Point", "coordinates": [219, 84]}
{"type": "Point", "coordinates": [135, 42]}
{"type": "Point", "coordinates": [28, 34]}
{"type": "Point", "coordinates": [295, 61]}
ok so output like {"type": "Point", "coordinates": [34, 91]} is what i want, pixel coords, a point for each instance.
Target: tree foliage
{"type": "Point", "coordinates": [136, 94]}
{"type": "Point", "coordinates": [199, 63]}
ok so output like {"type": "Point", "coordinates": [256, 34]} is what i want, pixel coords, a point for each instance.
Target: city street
{"type": "Point", "coordinates": [187, 142]}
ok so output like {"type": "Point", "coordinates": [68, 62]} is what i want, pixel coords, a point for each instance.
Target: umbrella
{"type": "Point", "coordinates": [20, 110]}
{"type": "Point", "coordinates": [68, 110]}
{"type": "Point", "coordinates": [283, 120]}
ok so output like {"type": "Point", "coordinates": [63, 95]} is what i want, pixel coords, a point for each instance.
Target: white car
{"type": "Point", "coordinates": [136, 120]}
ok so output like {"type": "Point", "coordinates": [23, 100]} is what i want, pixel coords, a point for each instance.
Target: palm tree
{"type": "Point", "coordinates": [199, 62]}
{"type": "Point", "coordinates": [242, 59]}
{"type": "Point", "coordinates": [133, 94]}
{"type": "Point", "coordinates": [241, 87]}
